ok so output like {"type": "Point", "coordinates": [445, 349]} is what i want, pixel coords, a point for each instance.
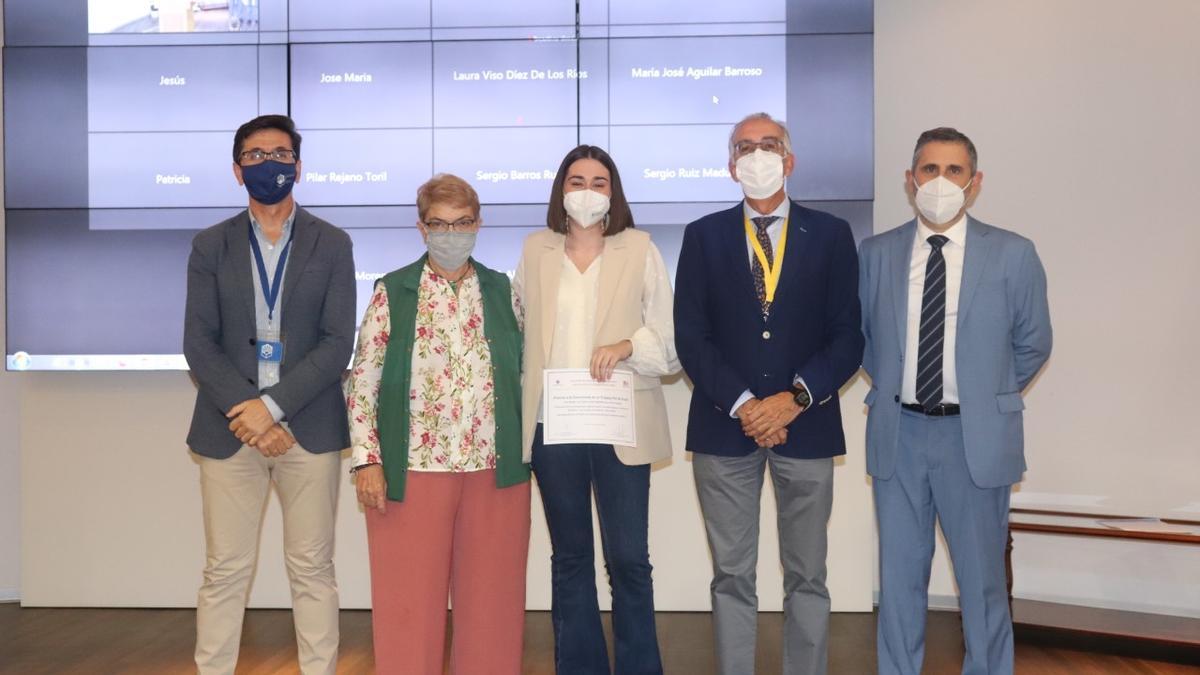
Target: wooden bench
{"type": "Point", "coordinates": [1133, 633]}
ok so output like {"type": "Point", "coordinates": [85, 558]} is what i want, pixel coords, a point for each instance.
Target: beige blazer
{"type": "Point", "coordinates": [618, 315]}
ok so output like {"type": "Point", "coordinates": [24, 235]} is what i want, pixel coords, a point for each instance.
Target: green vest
{"type": "Point", "coordinates": [504, 344]}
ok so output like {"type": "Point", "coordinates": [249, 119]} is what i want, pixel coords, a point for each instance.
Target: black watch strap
{"type": "Point", "coordinates": [801, 396]}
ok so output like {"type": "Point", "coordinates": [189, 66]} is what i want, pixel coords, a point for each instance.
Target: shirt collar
{"type": "Point", "coordinates": [287, 224]}
{"type": "Point", "coordinates": [956, 233]}
{"type": "Point", "coordinates": [781, 212]}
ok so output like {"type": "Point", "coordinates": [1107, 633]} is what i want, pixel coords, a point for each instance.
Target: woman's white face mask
{"type": "Point", "coordinates": [586, 207]}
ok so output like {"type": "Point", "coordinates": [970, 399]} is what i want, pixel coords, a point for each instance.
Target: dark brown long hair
{"type": "Point", "coordinates": [619, 215]}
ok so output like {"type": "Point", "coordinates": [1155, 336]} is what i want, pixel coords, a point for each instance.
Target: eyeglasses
{"type": "Point", "coordinates": [256, 156]}
{"type": "Point", "coordinates": [767, 144]}
{"type": "Point", "coordinates": [461, 225]}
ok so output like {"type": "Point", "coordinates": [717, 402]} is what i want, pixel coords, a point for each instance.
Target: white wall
{"type": "Point", "coordinates": [1084, 114]}
{"type": "Point", "coordinates": [112, 509]}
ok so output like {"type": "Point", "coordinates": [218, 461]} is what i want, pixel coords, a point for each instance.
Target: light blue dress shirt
{"type": "Point", "coordinates": [264, 321]}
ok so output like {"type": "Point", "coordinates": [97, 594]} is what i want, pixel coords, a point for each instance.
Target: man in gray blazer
{"type": "Point", "coordinates": [268, 332]}
{"type": "Point", "coordinates": [957, 326]}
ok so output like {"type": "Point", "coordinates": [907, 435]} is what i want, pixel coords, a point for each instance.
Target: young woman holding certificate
{"type": "Point", "coordinates": [595, 294]}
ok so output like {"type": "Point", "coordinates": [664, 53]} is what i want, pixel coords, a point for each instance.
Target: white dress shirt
{"type": "Point", "coordinates": [952, 252]}
{"type": "Point", "coordinates": [774, 230]}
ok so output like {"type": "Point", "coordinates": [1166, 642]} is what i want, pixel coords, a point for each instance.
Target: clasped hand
{"type": "Point", "coordinates": [765, 420]}
{"type": "Point", "coordinates": [253, 425]}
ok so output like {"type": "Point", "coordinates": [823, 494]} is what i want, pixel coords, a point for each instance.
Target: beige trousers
{"type": "Point", "coordinates": [235, 491]}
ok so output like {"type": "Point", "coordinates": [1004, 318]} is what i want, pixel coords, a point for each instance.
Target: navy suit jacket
{"type": "Point", "coordinates": [318, 333]}
{"type": "Point", "coordinates": [725, 347]}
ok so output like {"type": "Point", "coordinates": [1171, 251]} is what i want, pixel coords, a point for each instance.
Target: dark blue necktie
{"type": "Point", "coordinates": [761, 223]}
{"type": "Point", "coordinates": [932, 334]}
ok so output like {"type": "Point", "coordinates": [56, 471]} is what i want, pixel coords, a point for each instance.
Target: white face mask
{"type": "Point", "coordinates": [939, 200]}
{"type": "Point", "coordinates": [760, 173]}
{"type": "Point", "coordinates": [586, 207]}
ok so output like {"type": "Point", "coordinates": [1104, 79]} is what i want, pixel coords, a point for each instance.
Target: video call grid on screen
{"type": "Point", "coordinates": [155, 114]}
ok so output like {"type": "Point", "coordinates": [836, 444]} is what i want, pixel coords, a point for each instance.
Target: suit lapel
{"type": "Point", "coordinates": [304, 241]}
{"type": "Point", "coordinates": [734, 242]}
{"type": "Point", "coordinates": [237, 238]}
{"type": "Point", "coordinates": [901, 260]}
{"type": "Point", "coordinates": [616, 255]}
{"type": "Point", "coordinates": [794, 253]}
{"type": "Point", "coordinates": [974, 261]}
{"type": "Point", "coordinates": [551, 270]}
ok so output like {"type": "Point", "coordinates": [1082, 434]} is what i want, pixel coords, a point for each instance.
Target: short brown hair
{"type": "Point", "coordinates": [619, 214]}
{"type": "Point", "coordinates": [446, 188]}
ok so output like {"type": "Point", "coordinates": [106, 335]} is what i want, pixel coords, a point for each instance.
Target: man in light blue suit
{"type": "Point", "coordinates": [957, 325]}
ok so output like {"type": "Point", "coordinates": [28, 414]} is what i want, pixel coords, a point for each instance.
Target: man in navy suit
{"type": "Point", "coordinates": [767, 326]}
{"type": "Point", "coordinates": [957, 325]}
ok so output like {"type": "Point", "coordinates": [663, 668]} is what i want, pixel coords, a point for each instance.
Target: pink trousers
{"type": "Point", "coordinates": [455, 535]}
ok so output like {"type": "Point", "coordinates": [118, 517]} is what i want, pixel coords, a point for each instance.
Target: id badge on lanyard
{"type": "Point", "coordinates": [270, 346]}
{"type": "Point", "coordinates": [270, 342]}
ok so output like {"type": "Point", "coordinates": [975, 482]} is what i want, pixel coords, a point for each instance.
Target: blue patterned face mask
{"type": "Point", "coordinates": [269, 182]}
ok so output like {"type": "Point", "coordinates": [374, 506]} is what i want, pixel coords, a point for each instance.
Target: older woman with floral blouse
{"type": "Point", "coordinates": [435, 425]}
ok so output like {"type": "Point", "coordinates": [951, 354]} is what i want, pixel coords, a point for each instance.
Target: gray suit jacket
{"type": "Point", "coordinates": [1004, 337]}
{"type": "Point", "coordinates": [317, 331]}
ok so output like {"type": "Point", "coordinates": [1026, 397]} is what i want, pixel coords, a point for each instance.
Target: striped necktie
{"type": "Point", "coordinates": [761, 223]}
{"type": "Point", "coordinates": [932, 334]}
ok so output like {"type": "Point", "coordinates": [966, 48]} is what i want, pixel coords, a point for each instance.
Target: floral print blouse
{"type": "Point", "coordinates": [452, 408]}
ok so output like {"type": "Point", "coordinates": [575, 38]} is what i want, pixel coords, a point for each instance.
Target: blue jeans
{"type": "Point", "coordinates": [567, 475]}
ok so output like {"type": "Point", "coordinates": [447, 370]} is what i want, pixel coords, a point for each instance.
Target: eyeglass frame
{"type": "Point", "coordinates": [464, 224]}
{"type": "Point", "coordinates": [757, 145]}
{"type": "Point", "coordinates": [276, 155]}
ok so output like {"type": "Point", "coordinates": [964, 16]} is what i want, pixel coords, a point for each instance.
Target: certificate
{"type": "Point", "coordinates": [578, 409]}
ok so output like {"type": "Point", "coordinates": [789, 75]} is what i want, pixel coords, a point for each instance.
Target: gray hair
{"type": "Point", "coordinates": [787, 138]}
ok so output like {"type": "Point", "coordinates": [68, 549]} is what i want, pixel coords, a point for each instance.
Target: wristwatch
{"type": "Point", "coordinates": [801, 396]}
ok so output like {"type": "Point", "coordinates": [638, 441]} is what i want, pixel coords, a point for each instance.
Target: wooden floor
{"type": "Point", "coordinates": [159, 642]}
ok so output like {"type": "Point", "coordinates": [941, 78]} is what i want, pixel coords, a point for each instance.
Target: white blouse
{"type": "Point", "coordinates": [575, 330]}
{"type": "Point", "coordinates": [575, 318]}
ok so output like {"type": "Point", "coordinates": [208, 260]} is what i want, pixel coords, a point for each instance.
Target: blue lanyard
{"type": "Point", "coordinates": [270, 289]}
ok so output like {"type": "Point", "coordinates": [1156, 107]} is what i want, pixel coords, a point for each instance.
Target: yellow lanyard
{"type": "Point", "coordinates": [770, 272]}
